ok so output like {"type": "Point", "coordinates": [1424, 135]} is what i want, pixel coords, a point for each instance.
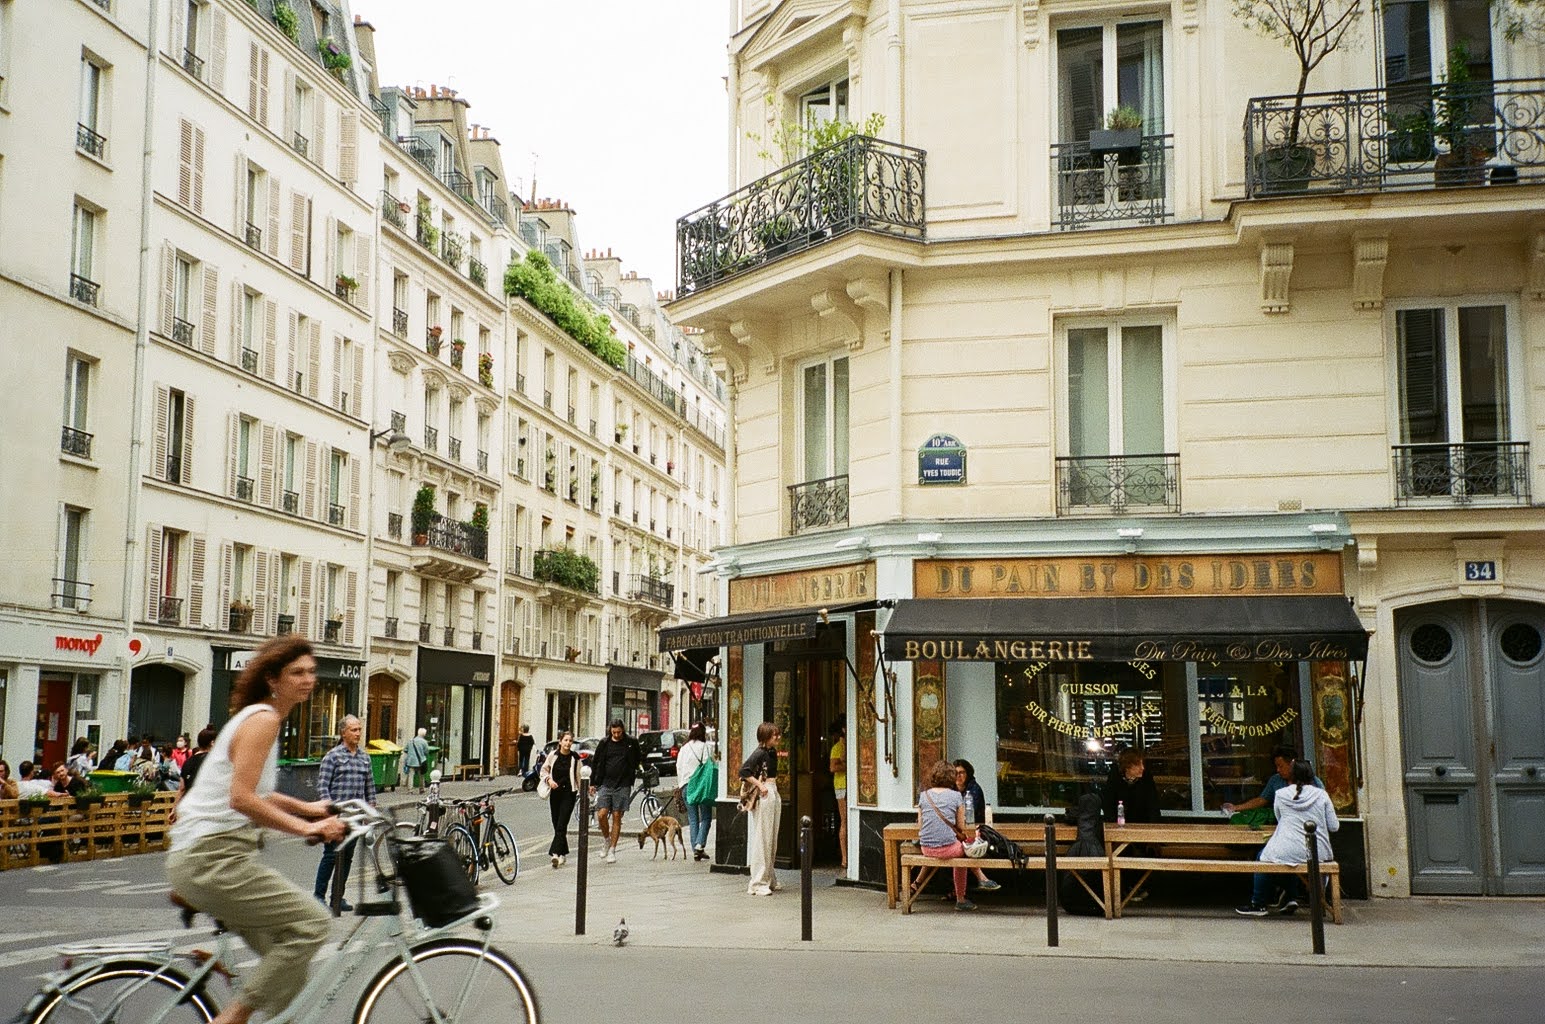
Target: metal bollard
{"type": "Point", "coordinates": [806, 894]}
{"type": "Point", "coordinates": [1316, 890]}
{"type": "Point", "coordinates": [1051, 880]}
{"type": "Point", "coordinates": [584, 851]}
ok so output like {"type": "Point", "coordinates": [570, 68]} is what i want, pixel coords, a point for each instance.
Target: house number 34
{"type": "Point", "coordinates": [1480, 572]}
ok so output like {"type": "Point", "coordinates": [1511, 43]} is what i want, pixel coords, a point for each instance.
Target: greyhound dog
{"type": "Point", "coordinates": [667, 830]}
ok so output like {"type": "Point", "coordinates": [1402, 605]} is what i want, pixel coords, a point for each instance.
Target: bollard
{"type": "Point", "coordinates": [1051, 880]}
{"type": "Point", "coordinates": [1316, 890]}
{"type": "Point", "coordinates": [806, 855]}
{"type": "Point", "coordinates": [584, 850]}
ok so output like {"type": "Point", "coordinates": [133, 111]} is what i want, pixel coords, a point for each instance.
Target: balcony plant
{"type": "Point", "coordinates": [1313, 30]}
{"type": "Point", "coordinates": [345, 283]}
{"type": "Point", "coordinates": [287, 20]}
{"type": "Point", "coordinates": [479, 517]}
{"type": "Point", "coordinates": [1411, 138]}
{"type": "Point", "coordinates": [432, 341]}
{"type": "Point", "coordinates": [485, 369]}
{"type": "Point", "coordinates": [567, 568]}
{"type": "Point", "coordinates": [1462, 122]}
{"type": "Point", "coordinates": [423, 513]}
{"type": "Point", "coordinates": [334, 57]}
{"type": "Point", "coordinates": [1122, 135]}
{"type": "Point", "coordinates": [534, 280]}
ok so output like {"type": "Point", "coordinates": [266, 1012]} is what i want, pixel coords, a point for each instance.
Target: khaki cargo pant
{"type": "Point", "coordinates": [224, 876]}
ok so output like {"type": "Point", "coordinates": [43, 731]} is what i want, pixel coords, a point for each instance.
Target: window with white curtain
{"type": "Point", "coordinates": [823, 420]}
{"type": "Point", "coordinates": [1101, 67]}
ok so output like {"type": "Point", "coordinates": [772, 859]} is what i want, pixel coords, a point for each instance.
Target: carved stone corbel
{"type": "Point", "coordinates": [1369, 257]}
{"type": "Point", "coordinates": [1276, 276]}
{"type": "Point", "coordinates": [719, 345]}
{"type": "Point", "coordinates": [1030, 23]}
{"type": "Point", "coordinates": [1188, 15]}
{"type": "Point", "coordinates": [487, 406]}
{"type": "Point", "coordinates": [459, 391]}
{"type": "Point", "coordinates": [1367, 571]}
{"type": "Point", "coordinates": [760, 354]}
{"type": "Point", "coordinates": [1537, 266]}
{"type": "Point", "coordinates": [852, 38]}
{"type": "Point", "coordinates": [835, 308]}
{"type": "Point", "coordinates": [872, 294]}
{"type": "Point", "coordinates": [434, 380]}
{"type": "Point", "coordinates": [400, 361]}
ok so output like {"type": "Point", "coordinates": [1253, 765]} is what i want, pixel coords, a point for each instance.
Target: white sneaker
{"type": "Point", "coordinates": [611, 855]}
{"type": "Point", "coordinates": [557, 860]}
{"type": "Point", "coordinates": [562, 860]}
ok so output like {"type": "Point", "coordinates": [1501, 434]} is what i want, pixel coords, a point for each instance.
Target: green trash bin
{"type": "Point", "coordinates": [385, 763]}
{"type": "Point", "coordinates": [109, 781]}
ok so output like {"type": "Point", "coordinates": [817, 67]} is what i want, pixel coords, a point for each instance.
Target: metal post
{"type": "Point", "coordinates": [805, 884]}
{"type": "Point", "coordinates": [1316, 891]}
{"type": "Point", "coordinates": [584, 850]}
{"type": "Point", "coordinates": [1051, 880]}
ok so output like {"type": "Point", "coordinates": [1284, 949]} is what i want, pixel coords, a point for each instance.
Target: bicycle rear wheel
{"type": "Point", "coordinates": [462, 982]}
{"type": "Point", "coordinates": [382, 852]}
{"type": "Point", "coordinates": [506, 857]}
{"type": "Point", "coordinates": [143, 992]}
{"type": "Point", "coordinates": [648, 809]}
{"type": "Point", "coordinates": [466, 849]}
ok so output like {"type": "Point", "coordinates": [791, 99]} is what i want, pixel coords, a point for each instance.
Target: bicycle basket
{"type": "Point", "coordinates": [438, 888]}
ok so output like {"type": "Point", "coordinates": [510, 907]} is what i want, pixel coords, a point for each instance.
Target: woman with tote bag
{"type": "Point", "coordinates": [696, 767]}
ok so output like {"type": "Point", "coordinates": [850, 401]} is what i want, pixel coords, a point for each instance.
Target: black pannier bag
{"type": "Point", "coordinates": [1073, 897]}
{"type": "Point", "coordinates": [439, 890]}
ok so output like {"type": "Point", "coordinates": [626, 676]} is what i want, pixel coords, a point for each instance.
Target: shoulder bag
{"type": "Point", "coordinates": [544, 785]}
{"type": "Point", "coordinates": [704, 783]}
{"type": "Point", "coordinates": [958, 834]}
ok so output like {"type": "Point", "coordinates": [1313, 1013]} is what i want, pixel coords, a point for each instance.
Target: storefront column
{"type": "Point", "coordinates": [21, 714]}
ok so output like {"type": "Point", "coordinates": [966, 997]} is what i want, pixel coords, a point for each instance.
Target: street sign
{"type": "Point", "coordinates": [941, 460]}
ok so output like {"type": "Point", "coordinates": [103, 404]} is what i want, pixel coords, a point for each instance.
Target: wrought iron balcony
{"type": "Point", "coordinates": [182, 331]}
{"type": "Point", "coordinates": [459, 183]}
{"type": "Point", "coordinates": [860, 183]}
{"type": "Point", "coordinates": [389, 627]}
{"type": "Point", "coordinates": [335, 514]}
{"type": "Point", "coordinates": [399, 422]}
{"type": "Point", "coordinates": [394, 211]}
{"type": "Point", "coordinates": [450, 250]}
{"type": "Point", "coordinates": [169, 611]}
{"type": "Point", "coordinates": [547, 399]}
{"type": "Point", "coordinates": [656, 385]}
{"type": "Point", "coordinates": [482, 461]}
{"type": "Point", "coordinates": [1130, 186]}
{"type": "Point", "coordinates": [424, 633]}
{"type": "Point", "coordinates": [382, 111]}
{"type": "Point", "coordinates": [616, 583]}
{"type": "Point", "coordinates": [818, 504]}
{"type": "Point", "coordinates": [75, 442]}
{"type": "Point", "coordinates": [300, 144]}
{"type": "Point", "coordinates": [244, 488]}
{"type": "Point", "coordinates": [344, 290]}
{"type": "Point", "coordinates": [424, 230]}
{"type": "Point", "coordinates": [453, 448]}
{"type": "Point", "coordinates": [457, 537]}
{"type": "Point", "coordinates": [173, 469]}
{"type": "Point", "coordinates": [1113, 484]}
{"type": "Point", "coordinates": [70, 593]}
{"type": "Point", "coordinates": [254, 236]}
{"type": "Point", "coordinates": [291, 502]}
{"type": "Point", "coordinates": [653, 590]}
{"type": "Point", "coordinates": [249, 360]}
{"type": "Point", "coordinates": [477, 272]}
{"type": "Point", "coordinates": [419, 150]}
{"type": "Point", "coordinates": [193, 64]}
{"type": "Point", "coordinates": [88, 141]}
{"type": "Point", "coordinates": [431, 439]}
{"type": "Point", "coordinates": [331, 630]}
{"type": "Point", "coordinates": [458, 356]}
{"type": "Point", "coordinates": [82, 290]}
{"type": "Point", "coordinates": [285, 624]}
{"type": "Point", "coordinates": [1462, 473]}
{"type": "Point", "coordinates": [520, 383]}
{"type": "Point", "coordinates": [394, 525]}
{"type": "Point", "coordinates": [239, 619]}
{"type": "Point", "coordinates": [1401, 138]}
{"type": "Point", "coordinates": [400, 322]}
{"type": "Point", "coordinates": [477, 640]}
{"type": "Point", "coordinates": [497, 209]}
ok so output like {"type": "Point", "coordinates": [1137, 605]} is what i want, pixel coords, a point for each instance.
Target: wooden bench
{"type": "Point", "coordinates": [926, 867]}
{"type": "Point", "coordinates": [471, 770]}
{"type": "Point", "coordinates": [1028, 836]}
{"type": "Point", "coordinates": [1185, 847]}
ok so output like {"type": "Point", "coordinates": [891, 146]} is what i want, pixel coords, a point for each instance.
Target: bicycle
{"type": "Point", "coordinates": [481, 841]}
{"type": "Point", "coordinates": [430, 975]}
{"type": "Point", "coordinates": [649, 808]}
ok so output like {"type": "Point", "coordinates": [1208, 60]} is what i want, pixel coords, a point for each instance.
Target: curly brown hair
{"type": "Point", "coordinates": [255, 684]}
{"type": "Point", "coordinates": [941, 775]}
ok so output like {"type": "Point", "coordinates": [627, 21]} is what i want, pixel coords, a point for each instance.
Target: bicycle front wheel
{"type": "Point", "coordinates": [506, 857]}
{"type": "Point", "coordinates": [382, 849]}
{"type": "Point", "coordinates": [649, 809]}
{"type": "Point", "coordinates": [125, 991]}
{"type": "Point", "coordinates": [450, 980]}
{"type": "Point", "coordinates": [465, 848]}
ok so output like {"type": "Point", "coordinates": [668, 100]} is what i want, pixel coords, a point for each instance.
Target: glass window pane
{"type": "Point", "coordinates": [1407, 49]}
{"type": "Point", "coordinates": [1246, 710]}
{"type": "Point", "coordinates": [1140, 72]}
{"type": "Point", "coordinates": [1483, 372]}
{"type": "Point", "coordinates": [1061, 724]}
{"type": "Point", "coordinates": [1080, 83]}
{"type": "Point", "coordinates": [80, 372]}
{"type": "Point", "coordinates": [839, 417]}
{"type": "Point", "coordinates": [1423, 385]}
{"type": "Point", "coordinates": [815, 421]}
{"type": "Point", "coordinates": [1142, 390]}
{"type": "Point", "coordinates": [1088, 392]}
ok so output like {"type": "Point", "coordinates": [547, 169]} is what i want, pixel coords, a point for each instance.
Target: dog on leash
{"type": "Point", "coordinates": [664, 829]}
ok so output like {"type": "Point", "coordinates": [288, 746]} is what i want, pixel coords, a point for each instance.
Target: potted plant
{"type": "Point", "coordinates": [458, 352]}
{"type": "Point", "coordinates": [1462, 122]}
{"type": "Point", "coordinates": [480, 516]}
{"type": "Point", "coordinates": [86, 797]}
{"type": "Point", "coordinates": [241, 615]}
{"type": "Point", "coordinates": [485, 369]}
{"type": "Point", "coordinates": [423, 513]}
{"type": "Point", "coordinates": [622, 432]}
{"type": "Point", "coordinates": [334, 57]}
{"type": "Point", "coordinates": [140, 793]}
{"type": "Point", "coordinates": [776, 236]}
{"type": "Point", "coordinates": [1122, 135]}
{"type": "Point", "coordinates": [1313, 30]}
{"type": "Point", "coordinates": [1410, 138]}
{"type": "Point", "coordinates": [345, 284]}
{"type": "Point", "coordinates": [432, 340]}
{"type": "Point", "coordinates": [287, 20]}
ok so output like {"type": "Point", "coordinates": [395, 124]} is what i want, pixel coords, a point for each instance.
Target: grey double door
{"type": "Point", "coordinates": [1472, 694]}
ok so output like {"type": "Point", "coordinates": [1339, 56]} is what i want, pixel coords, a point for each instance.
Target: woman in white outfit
{"type": "Point", "coordinates": [1298, 802]}
{"type": "Point", "coordinates": [761, 771]}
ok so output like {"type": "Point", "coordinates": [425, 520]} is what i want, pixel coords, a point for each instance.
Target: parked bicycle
{"type": "Point", "coordinates": [649, 806]}
{"type": "Point", "coordinates": [481, 841]}
{"type": "Point", "coordinates": [430, 975]}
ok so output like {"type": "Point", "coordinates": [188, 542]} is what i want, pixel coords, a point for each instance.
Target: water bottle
{"type": "Point", "coordinates": [970, 809]}
{"type": "Point", "coordinates": [1121, 812]}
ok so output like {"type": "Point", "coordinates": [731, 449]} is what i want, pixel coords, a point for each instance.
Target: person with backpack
{"type": "Point", "coordinates": [1300, 801]}
{"type": "Point", "coordinates": [976, 812]}
{"type": "Point", "coordinates": [698, 793]}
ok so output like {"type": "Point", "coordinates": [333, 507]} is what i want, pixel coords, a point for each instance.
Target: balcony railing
{"type": "Point", "coordinates": [496, 207]}
{"type": "Point", "coordinates": [399, 422]}
{"type": "Point", "coordinates": [182, 331]}
{"type": "Point", "coordinates": [193, 64]}
{"type": "Point", "coordinates": [394, 525]}
{"type": "Point", "coordinates": [1462, 472]}
{"type": "Point", "coordinates": [400, 323]}
{"type": "Point", "coordinates": [424, 633]}
{"type": "Point", "coordinates": [1113, 484]}
{"type": "Point", "coordinates": [520, 383]}
{"type": "Point", "coordinates": [860, 183]}
{"type": "Point", "coordinates": [244, 488]}
{"type": "Point", "coordinates": [432, 439]}
{"type": "Point", "coordinates": [482, 461]}
{"type": "Point", "coordinates": [249, 360]}
{"type": "Point", "coordinates": [239, 619]}
{"type": "Point", "coordinates": [419, 150]}
{"type": "Point", "coordinates": [477, 640]}
{"type": "Point", "coordinates": [169, 611]}
{"type": "Point", "coordinates": [300, 144]}
{"type": "Point", "coordinates": [652, 589]}
{"type": "Point", "coordinates": [450, 636]}
{"type": "Point", "coordinates": [453, 448]}
{"type": "Point", "coordinates": [450, 250]}
{"type": "Point", "coordinates": [284, 625]}
{"type": "Point", "coordinates": [1112, 187]}
{"type": "Point", "coordinates": [818, 504]}
{"type": "Point", "coordinates": [254, 236]}
{"type": "Point", "coordinates": [82, 290]}
{"type": "Point", "coordinates": [423, 230]}
{"type": "Point", "coordinates": [389, 627]}
{"type": "Point", "coordinates": [459, 183]}
{"type": "Point", "coordinates": [291, 501]}
{"type": "Point", "coordinates": [477, 272]}
{"type": "Point", "coordinates": [87, 140]}
{"type": "Point", "coordinates": [457, 537]}
{"type": "Point", "coordinates": [394, 211]}
{"type": "Point", "coordinates": [334, 514]}
{"type": "Point", "coordinates": [1407, 137]}
{"type": "Point", "coordinates": [71, 594]}
{"type": "Point", "coordinates": [331, 629]}
{"type": "Point", "coordinates": [75, 442]}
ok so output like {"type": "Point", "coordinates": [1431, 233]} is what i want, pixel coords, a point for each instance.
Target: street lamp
{"type": "Point", "coordinates": [396, 440]}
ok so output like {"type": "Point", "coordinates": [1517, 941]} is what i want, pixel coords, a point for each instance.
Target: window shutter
{"type": "Point", "coordinates": [276, 599]}
{"type": "Point", "coordinates": [309, 499]}
{"type": "Point", "coordinates": [262, 111]}
{"type": "Point", "coordinates": [319, 128]}
{"type": "Point", "coordinates": [350, 606]}
{"type": "Point", "coordinates": [198, 170]}
{"type": "Point", "coordinates": [303, 624]}
{"type": "Point", "coordinates": [265, 483]}
{"type": "Point", "coordinates": [158, 453]}
{"type": "Point", "coordinates": [240, 199]}
{"type": "Point", "coordinates": [314, 360]}
{"type": "Point", "coordinates": [195, 617]}
{"type": "Point", "coordinates": [356, 397]}
{"type": "Point", "coordinates": [273, 217]}
{"type": "Point", "coordinates": [152, 572]}
{"type": "Point", "coordinates": [362, 269]}
{"type": "Point", "coordinates": [338, 373]}
{"type": "Point", "coordinates": [186, 475]}
{"type": "Point", "coordinates": [254, 64]}
{"type": "Point", "coordinates": [289, 129]}
{"type": "Point", "coordinates": [260, 593]}
{"type": "Point", "coordinates": [270, 336]}
{"type": "Point", "coordinates": [354, 494]}
{"type": "Point", "coordinates": [224, 598]}
{"type": "Point", "coordinates": [211, 303]}
{"type": "Point", "coordinates": [217, 50]}
{"type": "Point", "coordinates": [330, 268]}
{"type": "Point", "coordinates": [232, 451]}
{"type": "Point", "coordinates": [348, 148]}
{"type": "Point", "coordinates": [297, 232]}
{"type": "Point", "coordinates": [237, 341]}
{"type": "Point", "coordinates": [174, 42]}
{"type": "Point", "coordinates": [292, 366]}
{"type": "Point", "coordinates": [185, 163]}
{"type": "Point", "coordinates": [168, 289]}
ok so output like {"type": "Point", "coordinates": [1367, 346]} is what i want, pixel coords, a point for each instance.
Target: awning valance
{"type": "Point", "coordinates": [1205, 629]}
{"type": "Point", "coordinates": [751, 627]}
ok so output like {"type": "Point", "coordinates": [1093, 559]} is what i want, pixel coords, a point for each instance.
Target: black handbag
{"type": "Point", "coordinates": [1001, 847]}
{"type": "Point", "coordinates": [439, 890]}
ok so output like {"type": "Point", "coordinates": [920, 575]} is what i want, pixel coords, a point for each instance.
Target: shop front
{"type": "Point", "coordinates": [633, 698]}
{"type": "Point", "coordinates": [56, 684]}
{"type": "Point", "coordinates": [455, 704]}
{"type": "Point", "coordinates": [312, 728]}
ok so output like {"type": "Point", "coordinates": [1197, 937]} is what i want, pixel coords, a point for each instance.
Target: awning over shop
{"type": "Point", "coordinates": [1205, 629]}
{"type": "Point", "coordinates": [751, 627]}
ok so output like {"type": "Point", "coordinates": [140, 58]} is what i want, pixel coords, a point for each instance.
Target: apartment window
{"type": "Point", "coordinates": [343, 262]}
{"type": "Point", "coordinates": [244, 430]}
{"type": "Point", "coordinates": [290, 499]}
{"type": "Point", "coordinates": [249, 331]}
{"type": "Point", "coordinates": [182, 300]}
{"type": "Point", "coordinates": [192, 17]}
{"type": "Point", "coordinates": [90, 131]}
{"type": "Point", "coordinates": [824, 419]}
{"type": "Point", "coordinates": [170, 612]}
{"type": "Point", "coordinates": [256, 205]}
{"type": "Point", "coordinates": [1106, 66]}
{"type": "Point", "coordinates": [336, 464]}
{"type": "Point", "coordinates": [75, 439]}
{"type": "Point", "coordinates": [289, 574]}
{"type": "Point", "coordinates": [178, 424]}
{"type": "Point", "coordinates": [70, 587]}
{"type": "Point", "coordinates": [241, 590]}
{"type": "Point", "coordinates": [337, 593]}
{"type": "Point", "coordinates": [827, 102]}
{"type": "Point", "coordinates": [83, 244]}
{"type": "Point", "coordinates": [300, 118]}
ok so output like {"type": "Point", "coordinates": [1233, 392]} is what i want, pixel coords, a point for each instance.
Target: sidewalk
{"type": "Point", "coordinates": [680, 903]}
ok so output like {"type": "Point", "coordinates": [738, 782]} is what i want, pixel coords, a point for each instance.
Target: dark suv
{"type": "Point", "coordinates": [660, 748]}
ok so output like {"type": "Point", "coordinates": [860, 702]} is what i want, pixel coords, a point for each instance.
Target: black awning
{"type": "Point", "coordinates": [752, 627]}
{"type": "Point", "coordinates": [1205, 629]}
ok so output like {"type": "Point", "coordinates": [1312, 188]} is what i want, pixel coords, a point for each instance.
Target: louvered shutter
{"type": "Point", "coordinates": [224, 598]}
{"type": "Point", "coordinates": [350, 606]}
{"type": "Point", "coordinates": [175, 40]}
{"type": "Point", "coordinates": [185, 163]}
{"type": "Point", "coordinates": [356, 397]}
{"type": "Point", "coordinates": [330, 268]}
{"type": "Point", "coordinates": [211, 303]}
{"type": "Point", "coordinates": [217, 32]}
{"type": "Point", "coordinates": [309, 499]}
{"type": "Point", "coordinates": [303, 624]}
{"type": "Point", "coordinates": [270, 336]}
{"type": "Point", "coordinates": [354, 503]}
{"type": "Point", "coordinates": [237, 341]}
{"type": "Point", "coordinates": [265, 484]}
{"type": "Point", "coordinates": [254, 65]}
{"type": "Point", "coordinates": [152, 572]}
{"type": "Point", "coordinates": [292, 351]}
{"type": "Point", "coordinates": [338, 370]}
{"type": "Point", "coordinates": [159, 443]}
{"type": "Point", "coordinates": [262, 112]}
{"type": "Point", "coordinates": [273, 216]}
{"type": "Point", "coordinates": [297, 232]}
{"type": "Point", "coordinates": [362, 268]}
{"type": "Point", "coordinates": [198, 170]}
{"type": "Point", "coordinates": [186, 474]}
{"type": "Point", "coordinates": [260, 593]}
{"type": "Point", "coordinates": [240, 201]}
{"type": "Point", "coordinates": [232, 452]}
{"type": "Point", "coordinates": [314, 360]}
{"type": "Point", "coordinates": [289, 129]}
{"type": "Point", "coordinates": [168, 289]}
{"type": "Point", "coordinates": [319, 116]}
{"type": "Point", "coordinates": [348, 148]}
{"type": "Point", "coordinates": [195, 617]}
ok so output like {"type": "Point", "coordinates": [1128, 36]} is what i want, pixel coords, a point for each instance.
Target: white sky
{"type": "Point", "coordinates": [622, 101]}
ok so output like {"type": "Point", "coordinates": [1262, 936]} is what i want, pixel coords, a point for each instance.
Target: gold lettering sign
{"type": "Point", "coordinates": [808, 588]}
{"type": "Point", "coordinates": [1300, 572]}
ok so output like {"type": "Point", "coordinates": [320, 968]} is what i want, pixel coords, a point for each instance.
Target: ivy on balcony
{"type": "Point", "coordinates": [535, 281]}
{"type": "Point", "coordinates": [567, 568]}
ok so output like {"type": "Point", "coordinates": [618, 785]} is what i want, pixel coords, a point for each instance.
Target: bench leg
{"type": "Point", "coordinates": [914, 890]}
{"type": "Point", "coordinates": [1335, 898]}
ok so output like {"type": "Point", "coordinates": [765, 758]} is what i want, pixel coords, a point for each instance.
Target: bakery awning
{"type": "Point", "coordinates": [752, 627]}
{"type": "Point", "coordinates": [1205, 629]}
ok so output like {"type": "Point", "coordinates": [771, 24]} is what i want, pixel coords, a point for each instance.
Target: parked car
{"type": "Point", "coordinates": [586, 747]}
{"type": "Point", "coordinates": [660, 748]}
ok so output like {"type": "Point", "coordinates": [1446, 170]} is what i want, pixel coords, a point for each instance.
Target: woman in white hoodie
{"type": "Point", "coordinates": [1298, 802]}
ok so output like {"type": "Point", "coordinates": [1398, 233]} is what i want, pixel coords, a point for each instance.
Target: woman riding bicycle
{"type": "Point", "coordinates": [215, 861]}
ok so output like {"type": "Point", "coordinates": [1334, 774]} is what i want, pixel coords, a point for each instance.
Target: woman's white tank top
{"type": "Point", "coordinates": [206, 809]}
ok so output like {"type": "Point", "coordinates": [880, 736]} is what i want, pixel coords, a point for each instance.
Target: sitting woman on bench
{"type": "Point", "coordinates": [941, 824]}
{"type": "Point", "coordinates": [1298, 802]}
